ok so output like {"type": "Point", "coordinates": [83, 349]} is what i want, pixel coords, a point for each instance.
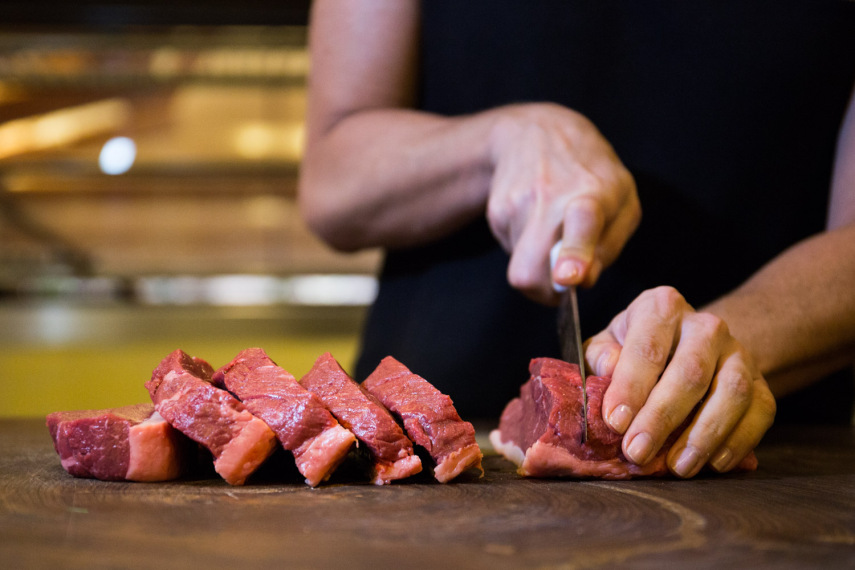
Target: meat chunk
{"type": "Point", "coordinates": [429, 418]}
{"type": "Point", "coordinates": [541, 431]}
{"type": "Point", "coordinates": [183, 394]}
{"type": "Point", "coordinates": [298, 418]}
{"type": "Point", "coordinates": [130, 443]}
{"type": "Point", "coordinates": [391, 450]}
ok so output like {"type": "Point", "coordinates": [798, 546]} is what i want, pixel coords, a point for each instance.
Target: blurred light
{"type": "Point", "coordinates": [258, 290]}
{"type": "Point", "coordinates": [62, 127]}
{"type": "Point", "coordinates": [333, 289]}
{"type": "Point", "coordinates": [117, 155]}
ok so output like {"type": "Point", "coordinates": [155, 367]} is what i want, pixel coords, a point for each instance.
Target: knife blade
{"type": "Point", "coordinates": [570, 335]}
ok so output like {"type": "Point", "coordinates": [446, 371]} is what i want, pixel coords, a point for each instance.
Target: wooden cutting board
{"type": "Point", "coordinates": [797, 510]}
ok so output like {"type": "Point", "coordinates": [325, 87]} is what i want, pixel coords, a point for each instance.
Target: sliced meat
{"type": "Point", "coordinates": [299, 419]}
{"type": "Point", "coordinates": [361, 413]}
{"type": "Point", "coordinates": [429, 418]}
{"type": "Point", "coordinates": [541, 430]}
{"type": "Point", "coordinates": [130, 443]}
{"type": "Point", "coordinates": [183, 394]}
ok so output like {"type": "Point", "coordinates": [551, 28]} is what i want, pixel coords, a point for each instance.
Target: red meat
{"type": "Point", "coordinates": [131, 443]}
{"type": "Point", "coordinates": [541, 430]}
{"type": "Point", "coordinates": [357, 410]}
{"type": "Point", "coordinates": [182, 392]}
{"type": "Point", "coordinates": [429, 417]}
{"type": "Point", "coordinates": [298, 418]}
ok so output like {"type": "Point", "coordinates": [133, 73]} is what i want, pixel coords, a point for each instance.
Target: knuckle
{"type": "Point", "coordinates": [694, 376]}
{"type": "Point", "coordinates": [649, 350]}
{"type": "Point", "coordinates": [738, 386]}
{"type": "Point", "coordinates": [663, 300]}
{"type": "Point", "coordinates": [712, 325]}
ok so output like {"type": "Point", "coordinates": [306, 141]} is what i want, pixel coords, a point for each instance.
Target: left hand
{"type": "Point", "coordinates": [665, 359]}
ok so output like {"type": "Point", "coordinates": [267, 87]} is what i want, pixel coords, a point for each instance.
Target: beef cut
{"type": "Point", "coordinates": [541, 431]}
{"type": "Point", "coordinates": [391, 451]}
{"type": "Point", "coordinates": [298, 418]}
{"type": "Point", "coordinates": [429, 418]}
{"type": "Point", "coordinates": [130, 443]}
{"type": "Point", "coordinates": [183, 394]}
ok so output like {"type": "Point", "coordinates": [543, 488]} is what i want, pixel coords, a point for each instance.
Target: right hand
{"type": "Point", "coordinates": [556, 177]}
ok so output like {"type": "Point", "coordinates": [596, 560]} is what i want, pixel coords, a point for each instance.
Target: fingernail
{"type": "Point", "coordinates": [620, 418]}
{"type": "Point", "coordinates": [639, 448]}
{"type": "Point", "coordinates": [604, 366]}
{"type": "Point", "coordinates": [567, 270]}
{"type": "Point", "coordinates": [688, 462]}
{"type": "Point", "coordinates": [722, 459]}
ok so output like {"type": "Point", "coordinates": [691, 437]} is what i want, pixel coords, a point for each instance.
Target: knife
{"type": "Point", "coordinates": [570, 334]}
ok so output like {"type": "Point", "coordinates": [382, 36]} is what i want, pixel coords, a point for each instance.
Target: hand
{"type": "Point", "coordinates": [556, 177]}
{"type": "Point", "coordinates": [665, 360]}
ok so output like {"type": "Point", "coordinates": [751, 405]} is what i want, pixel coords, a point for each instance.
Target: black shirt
{"type": "Point", "coordinates": [725, 111]}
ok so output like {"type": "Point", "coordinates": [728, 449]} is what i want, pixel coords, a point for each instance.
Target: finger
{"type": "Point", "coordinates": [683, 384]}
{"type": "Point", "coordinates": [584, 220]}
{"type": "Point", "coordinates": [729, 399]}
{"type": "Point", "coordinates": [749, 431]}
{"type": "Point", "coordinates": [529, 269]}
{"type": "Point", "coordinates": [619, 230]}
{"type": "Point", "coordinates": [649, 328]}
{"type": "Point", "coordinates": [601, 353]}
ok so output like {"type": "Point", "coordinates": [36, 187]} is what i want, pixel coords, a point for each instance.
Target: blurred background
{"type": "Point", "coordinates": [149, 153]}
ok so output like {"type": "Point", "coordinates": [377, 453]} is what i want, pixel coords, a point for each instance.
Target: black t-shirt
{"type": "Point", "coordinates": [725, 111]}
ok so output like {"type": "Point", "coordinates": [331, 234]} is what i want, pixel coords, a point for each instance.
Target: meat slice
{"type": "Point", "coordinates": [357, 410]}
{"type": "Point", "coordinates": [541, 431]}
{"type": "Point", "coordinates": [183, 394]}
{"type": "Point", "coordinates": [130, 443]}
{"type": "Point", "coordinates": [298, 418]}
{"type": "Point", "coordinates": [429, 418]}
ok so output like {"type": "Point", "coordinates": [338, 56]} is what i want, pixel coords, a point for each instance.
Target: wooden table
{"type": "Point", "coordinates": [796, 511]}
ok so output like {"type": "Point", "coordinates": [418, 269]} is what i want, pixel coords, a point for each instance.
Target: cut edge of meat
{"type": "Point", "coordinates": [155, 451]}
{"type": "Point", "coordinates": [458, 461]}
{"type": "Point", "coordinates": [242, 455]}
{"type": "Point", "coordinates": [385, 472]}
{"type": "Point", "coordinates": [321, 455]}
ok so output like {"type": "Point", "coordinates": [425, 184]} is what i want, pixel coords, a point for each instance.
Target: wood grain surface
{"type": "Point", "coordinates": [796, 511]}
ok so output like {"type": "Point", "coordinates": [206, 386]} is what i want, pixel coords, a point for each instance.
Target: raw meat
{"type": "Point", "coordinates": [429, 417]}
{"type": "Point", "coordinates": [358, 411]}
{"type": "Point", "coordinates": [541, 430]}
{"type": "Point", "coordinates": [298, 418]}
{"type": "Point", "coordinates": [131, 443]}
{"type": "Point", "coordinates": [182, 392]}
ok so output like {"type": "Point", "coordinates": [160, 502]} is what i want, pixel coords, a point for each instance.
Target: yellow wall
{"type": "Point", "coordinates": [37, 381]}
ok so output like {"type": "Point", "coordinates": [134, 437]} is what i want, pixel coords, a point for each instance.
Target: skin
{"type": "Point", "coordinates": [378, 173]}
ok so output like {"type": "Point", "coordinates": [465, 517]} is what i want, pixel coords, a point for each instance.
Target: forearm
{"type": "Point", "coordinates": [395, 177]}
{"type": "Point", "coordinates": [796, 315]}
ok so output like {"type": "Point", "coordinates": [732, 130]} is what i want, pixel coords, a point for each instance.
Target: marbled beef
{"type": "Point", "coordinates": [130, 443]}
{"type": "Point", "coordinates": [298, 418]}
{"type": "Point", "coordinates": [541, 430]}
{"type": "Point", "coordinates": [183, 394]}
{"type": "Point", "coordinates": [391, 451]}
{"type": "Point", "coordinates": [429, 417]}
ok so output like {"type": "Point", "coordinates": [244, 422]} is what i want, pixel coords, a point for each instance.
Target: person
{"type": "Point", "coordinates": [466, 138]}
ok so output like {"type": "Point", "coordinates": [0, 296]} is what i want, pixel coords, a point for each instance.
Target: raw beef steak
{"type": "Point", "coordinates": [131, 443]}
{"type": "Point", "coordinates": [182, 392]}
{"type": "Point", "coordinates": [429, 417]}
{"type": "Point", "coordinates": [358, 411]}
{"type": "Point", "coordinates": [298, 418]}
{"type": "Point", "coordinates": [541, 430]}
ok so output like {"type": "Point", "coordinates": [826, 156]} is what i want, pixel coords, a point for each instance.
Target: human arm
{"type": "Point", "coordinates": [377, 173]}
{"type": "Point", "coordinates": [789, 323]}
